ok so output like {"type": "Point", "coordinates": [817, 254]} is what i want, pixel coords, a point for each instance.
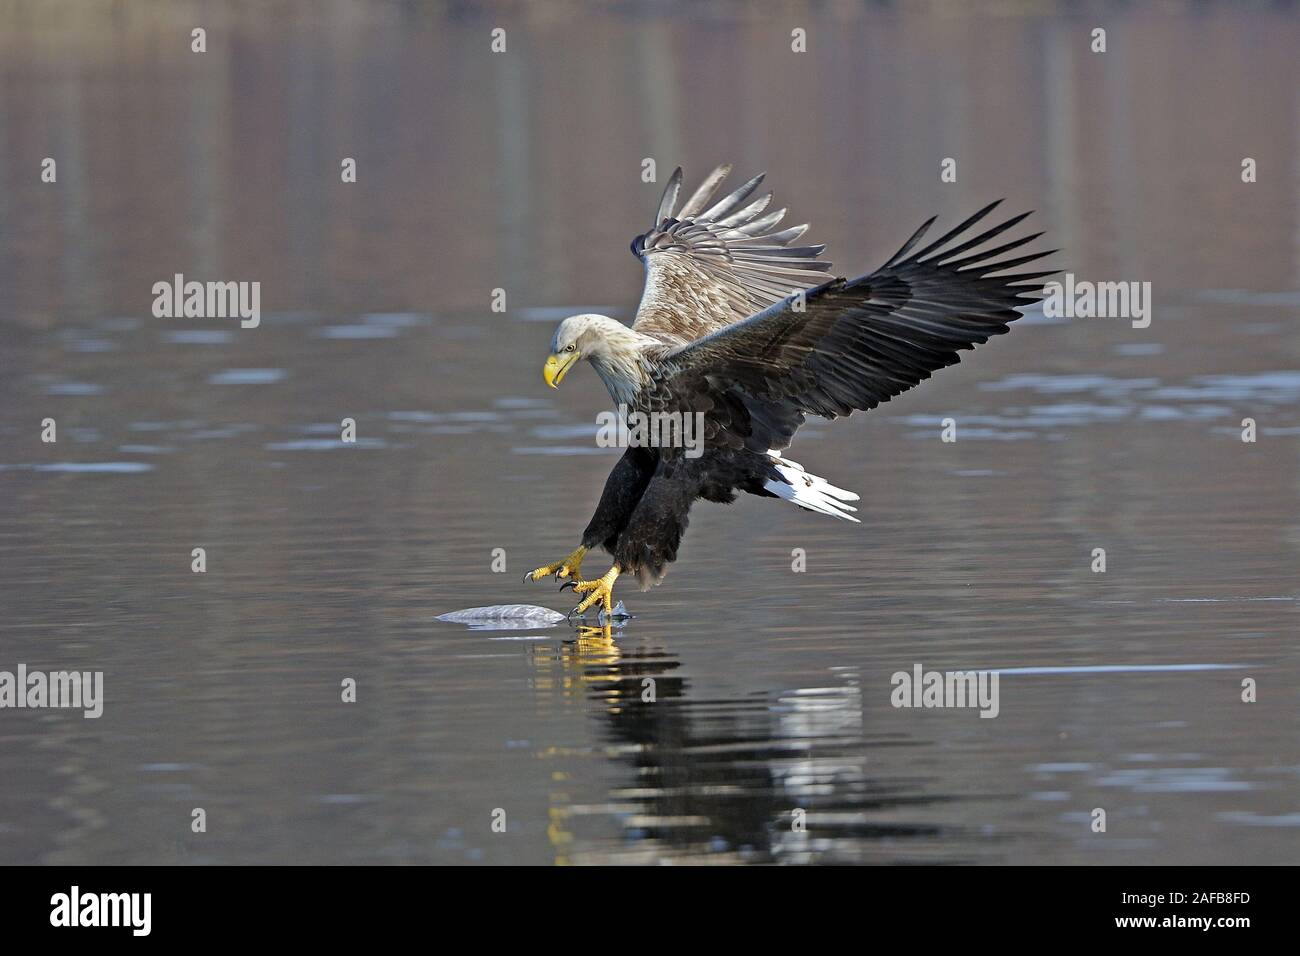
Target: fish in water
{"type": "Point", "coordinates": [508, 617]}
{"type": "Point", "coordinates": [504, 616]}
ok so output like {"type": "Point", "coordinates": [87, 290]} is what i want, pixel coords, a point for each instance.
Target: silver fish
{"type": "Point", "coordinates": [504, 617]}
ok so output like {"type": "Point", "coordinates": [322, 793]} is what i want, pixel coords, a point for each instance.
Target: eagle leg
{"type": "Point", "coordinates": [601, 589]}
{"type": "Point", "coordinates": [567, 567]}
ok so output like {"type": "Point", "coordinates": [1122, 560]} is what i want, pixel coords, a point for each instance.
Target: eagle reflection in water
{"type": "Point", "coordinates": [724, 780]}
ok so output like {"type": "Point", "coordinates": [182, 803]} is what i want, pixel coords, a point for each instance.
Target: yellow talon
{"type": "Point", "coordinates": [569, 567]}
{"type": "Point", "coordinates": [601, 589]}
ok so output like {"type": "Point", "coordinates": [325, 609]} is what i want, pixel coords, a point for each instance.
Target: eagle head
{"type": "Point", "coordinates": [611, 347]}
{"type": "Point", "coordinates": [578, 336]}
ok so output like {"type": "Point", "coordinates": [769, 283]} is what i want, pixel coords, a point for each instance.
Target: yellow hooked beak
{"type": "Point", "coordinates": [557, 365]}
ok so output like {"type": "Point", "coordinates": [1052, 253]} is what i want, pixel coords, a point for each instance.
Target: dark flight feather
{"type": "Point", "coordinates": [855, 343]}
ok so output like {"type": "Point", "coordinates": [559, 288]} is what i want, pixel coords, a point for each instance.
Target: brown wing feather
{"type": "Point", "coordinates": [708, 266]}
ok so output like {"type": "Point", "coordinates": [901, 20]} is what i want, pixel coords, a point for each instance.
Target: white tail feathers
{"type": "Point", "coordinates": [809, 491]}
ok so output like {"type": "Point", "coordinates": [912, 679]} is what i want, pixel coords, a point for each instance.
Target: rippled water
{"type": "Point", "coordinates": [741, 691]}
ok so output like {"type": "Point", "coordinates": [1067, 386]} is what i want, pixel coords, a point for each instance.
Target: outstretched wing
{"type": "Point", "coordinates": [853, 344]}
{"type": "Point", "coordinates": [707, 266]}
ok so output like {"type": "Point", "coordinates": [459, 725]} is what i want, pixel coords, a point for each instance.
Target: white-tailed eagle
{"type": "Point", "coordinates": [740, 325]}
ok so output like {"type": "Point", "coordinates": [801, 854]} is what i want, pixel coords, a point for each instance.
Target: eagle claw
{"type": "Point", "coordinates": [567, 567]}
{"type": "Point", "coordinates": [601, 589]}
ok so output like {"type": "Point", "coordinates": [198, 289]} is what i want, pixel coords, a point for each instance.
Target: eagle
{"type": "Point", "coordinates": [741, 328]}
